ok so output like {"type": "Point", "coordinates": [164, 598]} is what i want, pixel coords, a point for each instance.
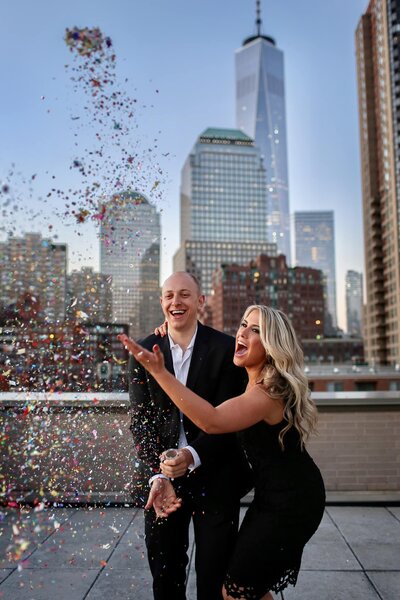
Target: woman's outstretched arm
{"type": "Point", "coordinates": [232, 415]}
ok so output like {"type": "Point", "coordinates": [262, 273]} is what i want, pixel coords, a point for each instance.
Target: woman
{"type": "Point", "coordinates": [274, 416]}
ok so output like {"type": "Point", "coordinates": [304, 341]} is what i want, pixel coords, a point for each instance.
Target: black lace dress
{"type": "Point", "coordinates": [289, 500]}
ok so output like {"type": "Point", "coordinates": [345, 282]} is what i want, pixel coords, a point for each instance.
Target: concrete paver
{"type": "Point", "coordinates": [122, 584]}
{"type": "Point", "coordinates": [387, 583]}
{"type": "Point", "coordinates": [328, 551]}
{"type": "Point", "coordinates": [82, 554]}
{"type": "Point", "coordinates": [46, 584]}
{"type": "Point", "coordinates": [372, 533]}
{"type": "Point", "coordinates": [331, 585]}
{"type": "Point", "coordinates": [4, 573]}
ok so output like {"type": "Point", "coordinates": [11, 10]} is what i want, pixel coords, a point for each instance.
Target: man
{"type": "Point", "coordinates": [209, 473]}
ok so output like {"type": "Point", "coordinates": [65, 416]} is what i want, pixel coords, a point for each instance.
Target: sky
{"type": "Point", "coordinates": [175, 64]}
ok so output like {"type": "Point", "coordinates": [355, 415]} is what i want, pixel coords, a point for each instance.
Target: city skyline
{"type": "Point", "coordinates": [321, 110]}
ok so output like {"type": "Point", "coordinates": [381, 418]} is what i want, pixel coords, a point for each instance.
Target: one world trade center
{"type": "Point", "coordinates": [260, 112]}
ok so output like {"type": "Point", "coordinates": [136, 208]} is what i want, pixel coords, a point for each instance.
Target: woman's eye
{"type": "Point", "coordinates": [255, 330]}
{"type": "Point", "coordinates": [242, 324]}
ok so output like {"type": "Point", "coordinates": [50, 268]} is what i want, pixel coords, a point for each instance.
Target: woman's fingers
{"type": "Point", "coordinates": [133, 347]}
{"type": "Point", "coordinates": [152, 361]}
{"type": "Point", "coordinates": [161, 329]}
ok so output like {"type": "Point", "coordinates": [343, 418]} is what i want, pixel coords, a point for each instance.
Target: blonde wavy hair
{"type": "Point", "coordinates": [283, 374]}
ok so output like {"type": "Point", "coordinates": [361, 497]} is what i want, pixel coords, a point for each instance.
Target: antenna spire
{"type": "Point", "coordinates": [258, 34]}
{"type": "Point", "coordinates": [258, 17]}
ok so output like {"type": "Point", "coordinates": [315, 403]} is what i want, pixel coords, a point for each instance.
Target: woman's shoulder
{"type": "Point", "coordinates": [274, 405]}
{"type": "Point", "coordinates": [259, 390]}
{"type": "Point", "coordinates": [261, 387]}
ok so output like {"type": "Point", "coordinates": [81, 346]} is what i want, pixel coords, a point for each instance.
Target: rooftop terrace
{"type": "Point", "coordinates": [75, 450]}
{"type": "Point", "coordinates": [99, 553]}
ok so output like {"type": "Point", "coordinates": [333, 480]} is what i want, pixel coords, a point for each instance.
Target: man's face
{"type": "Point", "coordinates": [181, 301]}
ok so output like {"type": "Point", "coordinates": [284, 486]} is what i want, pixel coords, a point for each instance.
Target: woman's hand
{"type": "Point", "coordinates": [162, 329]}
{"type": "Point", "coordinates": [153, 362]}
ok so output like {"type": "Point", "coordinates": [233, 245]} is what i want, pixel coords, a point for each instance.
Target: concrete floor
{"type": "Point", "coordinates": [96, 554]}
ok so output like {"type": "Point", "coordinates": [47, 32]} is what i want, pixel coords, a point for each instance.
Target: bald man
{"type": "Point", "coordinates": [209, 473]}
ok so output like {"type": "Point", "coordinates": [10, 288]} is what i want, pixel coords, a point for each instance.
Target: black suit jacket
{"type": "Point", "coordinates": [224, 475]}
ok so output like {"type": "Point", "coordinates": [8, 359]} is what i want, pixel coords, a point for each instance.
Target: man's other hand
{"type": "Point", "coordinates": [163, 498]}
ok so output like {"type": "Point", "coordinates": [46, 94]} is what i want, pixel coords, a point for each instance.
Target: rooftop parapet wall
{"type": "Point", "coordinates": [67, 447]}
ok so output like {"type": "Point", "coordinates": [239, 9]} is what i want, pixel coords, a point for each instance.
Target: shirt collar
{"type": "Point", "coordinates": [190, 345]}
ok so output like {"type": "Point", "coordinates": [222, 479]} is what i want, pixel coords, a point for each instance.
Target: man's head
{"type": "Point", "coordinates": [181, 301]}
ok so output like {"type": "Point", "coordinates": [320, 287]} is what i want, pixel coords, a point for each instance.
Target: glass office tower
{"type": "Point", "coordinates": [223, 205]}
{"type": "Point", "coordinates": [315, 247]}
{"type": "Point", "coordinates": [354, 302]}
{"type": "Point", "coordinates": [130, 256]}
{"type": "Point", "coordinates": [260, 112]}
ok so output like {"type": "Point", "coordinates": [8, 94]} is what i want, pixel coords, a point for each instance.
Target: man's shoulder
{"type": "Point", "coordinates": [215, 335]}
{"type": "Point", "coordinates": [149, 341]}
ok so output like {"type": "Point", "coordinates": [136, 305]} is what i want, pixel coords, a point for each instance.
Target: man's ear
{"type": "Point", "coordinates": [202, 301]}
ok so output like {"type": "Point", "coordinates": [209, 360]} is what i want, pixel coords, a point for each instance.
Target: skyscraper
{"type": "Point", "coordinates": [260, 112]}
{"type": "Point", "coordinates": [130, 238]}
{"type": "Point", "coordinates": [378, 69]}
{"type": "Point", "coordinates": [33, 276]}
{"type": "Point", "coordinates": [223, 208]}
{"type": "Point", "coordinates": [354, 302]}
{"type": "Point", "coordinates": [315, 247]}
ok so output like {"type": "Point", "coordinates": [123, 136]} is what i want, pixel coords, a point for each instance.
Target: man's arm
{"type": "Point", "coordinates": [149, 491]}
{"type": "Point", "coordinates": [144, 432]}
{"type": "Point", "coordinates": [143, 415]}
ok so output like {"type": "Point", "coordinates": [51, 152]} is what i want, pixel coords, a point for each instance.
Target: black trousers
{"type": "Point", "coordinates": [167, 542]}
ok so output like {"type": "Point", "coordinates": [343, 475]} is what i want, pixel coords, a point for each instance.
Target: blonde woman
{"type": "Point", "coordinates": [274, 416]}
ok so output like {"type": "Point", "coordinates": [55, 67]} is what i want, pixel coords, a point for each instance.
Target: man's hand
{"type": "Point", "coordinates": [163, 498]}
{"type": "Point", "coordinates": [176, 467]}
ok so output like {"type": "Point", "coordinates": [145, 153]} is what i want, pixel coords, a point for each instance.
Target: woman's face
{"type": "Point", "coordinates": [249, 351]}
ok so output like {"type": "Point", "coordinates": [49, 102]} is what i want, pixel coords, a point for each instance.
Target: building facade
{"type": "Point", "coordinates": [129, 243]}
{"type": "Point", "coordinates": [354, 302]}
{"type": "Point", "coordinates": [261, 113]}
{"type": "Point", "coordinates": [89, 296]}
{"type": "Point", "coordinates": [299, 292]}
{"type": "Point", "coordinates": [223, 204]}
{"type": "Point", "coordinates": [33, 276]}
{"type": "Point", "coordinates": [315, 247]}
{"type": "Point", "coordinates": [70, 357]}
{"type": "Point", "coordinates": [378, 70]}
{"type": "Point", "coordinates": [202, 258]}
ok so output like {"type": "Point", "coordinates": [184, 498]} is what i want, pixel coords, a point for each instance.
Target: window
{"type": "Point", "coordinates": [365, 386]}
{"type": "Point", "coordinates": [394, 385]}
{"type": "Point", "coordinates": [334, 386]}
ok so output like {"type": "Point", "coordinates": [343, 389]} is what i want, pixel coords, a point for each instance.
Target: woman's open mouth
{"type": "Point", "coordinates": [241, 349]}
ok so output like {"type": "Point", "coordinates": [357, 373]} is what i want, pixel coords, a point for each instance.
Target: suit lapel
{"type": "Point", "coordinates": [166, 350]}
{"type": "Point", "coordinates": [200, 351]}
